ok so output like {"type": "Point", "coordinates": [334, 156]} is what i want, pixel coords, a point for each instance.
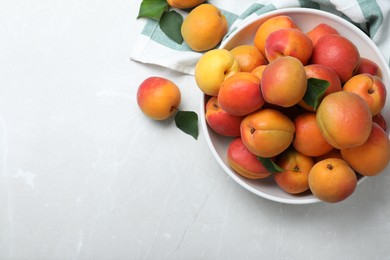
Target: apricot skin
{"type": "Point", "coordinates": [267, 132]}
{"type": "Point", "coordinates": [338, 53]}
{"type": "Point", "coordinates": [184, 4]}
{"type": "Point", "coordinates": [158, 98]}
{"type": "Point", "coordinates": [344, 119]}
{"type": "Point", "coordinates": [278, 85]}
{"type": "Point", "coordinates": [269, 26]}
{"type": "Point", "coordinates": [372, 157]}
{"type": "Point", "coordinates": [204, 27]}
{"type": "Point", "coordinates": [370, 88]}
{"type": "Point", "coordinates": [332, 180]}
{"type": "Point", "coordinates": [240, 94]}
{"type": "Point", "coordinates": [294, 179]}
{"type": "Point", "coordinates": [244, 162]}
{"type": "Point", "coordinates": [288, 42]}
{"type": "Point", "coordinates": [319, 31]}
{"type": "Point", "coordinates": [220, 121]}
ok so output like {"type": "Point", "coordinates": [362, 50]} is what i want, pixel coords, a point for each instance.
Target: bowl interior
{"type": "Point", "coordinates": [306, 19]}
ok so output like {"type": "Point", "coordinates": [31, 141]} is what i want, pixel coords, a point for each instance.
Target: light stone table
{"type": "Point", "coordinates": [84, 175]}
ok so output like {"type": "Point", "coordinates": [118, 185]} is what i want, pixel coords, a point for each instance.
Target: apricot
{"type": "Point", "coordinates": [248, 57]}
{"type": "Point", "coordinates": [288, 42]}
{"type": "Point", "coordinates": [372, 157]}
{"type": "Point", "coordinates": [213, 68]}
{"type": "Point", "coordinates": [294, 179]}
{"type": "Point", "coordinates": [269, 26]}
{"type": "Point", "coordinates": [338, 53]}
{"type": "Point", "coordinates": [319, 71]}
{"type": "Point", "coordinates": [267, 132]}
{"type": "Point", "coordinates": [158, 98]}
{"type": "Point", "coordinates": [220, 121]}
{"type": "Point", "coordinates": [308, 138]}
{"type": "Point", "coordinates": [184, 4]}
{"type": "Point", "coordinates": [258, 71]}
{"type": "Point", "coordinates": [245, 163]}
{"type": "Point", "coordinates": [370, 88]}
{"type": "Point", "coordinates": [368, 66]}
{"type": "Point", "coordinates": [319, 31]}
{"type": "Point", "coordinates": [332, 180]}
{"type": "Point", "coordinates": [240, 94]}
{"type": "Point", "coordinates": [204, 27]}
{"type": "Point", "coordinates": [344, 119]}
{"type": "Point", "coordinates": [284, 81]}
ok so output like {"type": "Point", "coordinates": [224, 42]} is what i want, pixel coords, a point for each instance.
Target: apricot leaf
{"type": "Point", "coordinates": [187, 121]}
{"type": "Point", "coordinates": [170, 23]}
{"type": "Point", "coordinates": [270, 165]}
{"type": "Point", "coordinates": [315, 91]}
{"type": "Point", "coordinates": [152, 9]}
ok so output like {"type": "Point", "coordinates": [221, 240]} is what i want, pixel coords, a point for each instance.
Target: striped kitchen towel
{"type": "Point", "coordinates": [152, 46]}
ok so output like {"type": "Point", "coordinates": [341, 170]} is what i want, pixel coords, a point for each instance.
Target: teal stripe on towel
{"type": "Point", "coordinates": [309, 4]}
{"type": "Point", "coordinates": [373, 14]}
{"type": "Point", "coordinates": [266, 9]}
{"type": "Point", "coordinates": [251, 9]}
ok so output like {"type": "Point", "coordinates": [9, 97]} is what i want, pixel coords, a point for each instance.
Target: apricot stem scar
{"type": "Point", "coordinates": [329, 166]}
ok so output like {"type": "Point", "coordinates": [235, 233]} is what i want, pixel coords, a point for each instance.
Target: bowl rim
{"type": "Point", "coordinates": [242, 26]}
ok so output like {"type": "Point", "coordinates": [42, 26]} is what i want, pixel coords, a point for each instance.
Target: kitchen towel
{"type": "Point", "coordinates": [152, 46]}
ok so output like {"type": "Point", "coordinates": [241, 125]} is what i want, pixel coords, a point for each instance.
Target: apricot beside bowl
{"type": "Point", "coordinates": [306, 19]}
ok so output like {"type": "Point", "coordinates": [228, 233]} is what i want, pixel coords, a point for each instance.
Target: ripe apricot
{"type": "Point", "coordinates": [319, 71]}
{"type": "Point", "coordinates": [269, 26]}
{"type": "Point", "coordinates": [372, 157]}
{"type": "Point", "coordinates": [184, 4]}
{"type": "Point", "coordinates": [267, 132]}
{"type": "Point", "coordinates": [338, 53]}
{"type": "Point", "coordinates": [158, 98]}
{"type": "Point", "coordinates": [258, 71]}
{"type": "Point", "coordinates": [368, 66]}
{"type": "Point", "coordinates": [370, 88]}
{"type": "Point", "coordinates": [344, 119]}
{"type": "Point", "coordinates": [308, 137]}
{"type": "Point", "coordinates": [245, 163]}
{"type": "Point", "coordinates": [204, 27]}
{"type": "Point", "coordinates": [220, 121]}
{"type": "Point", "coordinates": [284, 82]}
{"type": "Point", "coordinates": [248, 57]}
{"type": "Point", "coordinates": [332, 180]}
{"type": "Point", "coordinates": [288, 42]}
{"type": "Point", "coordinates": [240, 94]}
{"type": "Point", "coordinates": [294, 179]}
{"type": "Point", "coordinates": [320, 30]}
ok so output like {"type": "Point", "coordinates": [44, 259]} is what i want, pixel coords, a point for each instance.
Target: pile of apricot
{"type": "Point", "coordinates": [258, 96]}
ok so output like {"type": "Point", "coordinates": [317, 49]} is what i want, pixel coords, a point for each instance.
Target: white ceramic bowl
{"type": "Point", "coordinates": [306, 19]}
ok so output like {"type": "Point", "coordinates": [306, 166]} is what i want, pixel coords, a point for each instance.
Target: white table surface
{"type": "Point", "coordinates": [85, 175]}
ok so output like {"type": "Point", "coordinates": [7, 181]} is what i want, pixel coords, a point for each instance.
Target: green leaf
{"type": "Point", "coordinates": [170, 23]}
{"type": "Point", "coordinates": [152, 9]}
{"type": "Point", "coordinates": [315, 91]}
{"type": "Point", "coordinates": [187, 121]}
{"type": "Point", "coordinates": [270, 165]}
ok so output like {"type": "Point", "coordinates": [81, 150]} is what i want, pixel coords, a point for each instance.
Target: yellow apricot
{"type": "Point", "coordinates": [204, 27]}
{"type": "Point", "coordinates": [184, 4]}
